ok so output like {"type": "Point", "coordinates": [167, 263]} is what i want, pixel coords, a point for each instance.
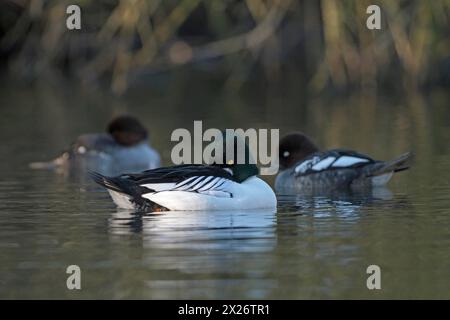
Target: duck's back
{"type": "Point", "coordinates": [328, 170]}
{"type": "Point", "coordinates": [136, 158]}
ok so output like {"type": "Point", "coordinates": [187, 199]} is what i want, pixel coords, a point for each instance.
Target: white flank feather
{"type": "Point", "coordinates": [253, 193]}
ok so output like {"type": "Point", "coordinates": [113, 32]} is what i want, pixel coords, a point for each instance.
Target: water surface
{"type": "Point", "coordinates": [311, 247]}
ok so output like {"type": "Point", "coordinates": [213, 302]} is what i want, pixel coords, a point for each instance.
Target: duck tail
{"type": "Point", "coordinates": [110, 183]}
{"type": "Point", "coordinates": [126, 193]}
{"type": "Point", "coordinates": [398, 164]}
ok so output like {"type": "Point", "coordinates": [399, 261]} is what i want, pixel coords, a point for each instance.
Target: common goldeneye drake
{"type": "Point", "coordinates": [304, 168]}
{"type": "Point", "coordinates": [123, 148]}
{"type": "Point", "coordinates": [227, 186]}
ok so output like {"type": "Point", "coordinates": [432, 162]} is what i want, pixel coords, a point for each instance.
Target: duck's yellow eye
{"type": "Point", "coordinates": [230, 162]}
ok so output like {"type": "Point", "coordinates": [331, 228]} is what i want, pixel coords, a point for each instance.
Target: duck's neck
{"type": "Point", "coordinates": [242, 172]}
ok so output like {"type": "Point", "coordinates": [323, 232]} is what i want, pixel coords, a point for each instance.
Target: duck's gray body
{"type": "Point", "coordinates": [101, 153]}
{"type": "Point", "coordinates": [337, 169]}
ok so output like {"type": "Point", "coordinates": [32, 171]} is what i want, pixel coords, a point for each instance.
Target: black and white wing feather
{"type": "Point", "coordinates": [332, 160]}
{"type": "Point", "coordinates": [210, 185]}
{"type": "Point", "coordinates": [208, 180]}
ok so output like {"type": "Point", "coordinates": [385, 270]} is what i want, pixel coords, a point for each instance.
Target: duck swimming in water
{"type": "Point", "coordinates": [197, 187]}
{"type": "Point", "coordinates": [305, 168]}
{"type": "Point", "coordinates": [123, 148]}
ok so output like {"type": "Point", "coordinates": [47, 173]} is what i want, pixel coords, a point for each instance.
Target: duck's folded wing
{"type": "Point", "coordinates": [332, 159]}
{"type": "Point", "coordinates": [208, 185]}
{"type": "Point", "coordinates": [203, 179]}
{"type": "Point", "coordinates": [178, 173]}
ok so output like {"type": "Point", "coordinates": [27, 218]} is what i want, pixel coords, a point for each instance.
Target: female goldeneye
{"type": "Point", "coordinates": [305, 168]}
{"type": "Point", "coordinates": [191, 188]}
{"type": "Point", "coordinates": [124, 148]}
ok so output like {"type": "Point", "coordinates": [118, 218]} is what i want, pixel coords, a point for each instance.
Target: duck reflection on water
{"type": "Point", "coordinates": [344, 203]}
{"type": "Point", "coordinates": [240, 230]}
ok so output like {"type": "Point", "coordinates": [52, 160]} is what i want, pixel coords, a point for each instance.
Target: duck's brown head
{"type": "Point", "coordinates": [295, 147]}
{"type": "Point", "coordinates": [127, 130]}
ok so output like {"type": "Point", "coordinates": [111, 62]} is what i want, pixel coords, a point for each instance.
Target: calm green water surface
{"type": "Point", "coordinates": [312, 247]}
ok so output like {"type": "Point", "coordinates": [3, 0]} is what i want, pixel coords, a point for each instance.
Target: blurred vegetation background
{"type": "Point", "coordinates": [309, 65]}
{"type": "Point", "coordinates": [318, 45]}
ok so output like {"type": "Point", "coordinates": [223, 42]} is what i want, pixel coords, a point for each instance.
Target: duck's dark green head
{"type": "Point", "coordinates": [238, 158]}
{"type": "Point", "coordinates": [244, 171]}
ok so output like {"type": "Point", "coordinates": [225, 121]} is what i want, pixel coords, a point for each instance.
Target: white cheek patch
{"type": "Point", "coordinates": [347, 161]}
{"type": "Point", "coordinates": [286, 154]}
{"type": "Point", "coordinates": [324, 164]}
{"type": "Point", "coordinates": [81, 150]}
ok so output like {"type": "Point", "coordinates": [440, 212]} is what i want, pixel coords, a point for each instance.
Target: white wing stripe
{"type": "Point", "coordinates": [305, 165]}
{"type": "Point", "coordinates": [192, 182]}
{"type": "Point", "coordinates": [195, 182]}
{"type": "Point", "coordinates": [184, 182]}
{"type": "Point", "coordinates": [323, 164]}
{"type": "Point", "coordinates": [202, 183]}
{"type": "Point", "coordinates": [347, 161]}
{"type": "Point", "coordinates": [221, 186]}
{"type": "Point", "coordinates": [210, 184]}
{"type": "Point", "coordinates": [220, 182]}
{"type": "Point", "coordinates": [159, 186]}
